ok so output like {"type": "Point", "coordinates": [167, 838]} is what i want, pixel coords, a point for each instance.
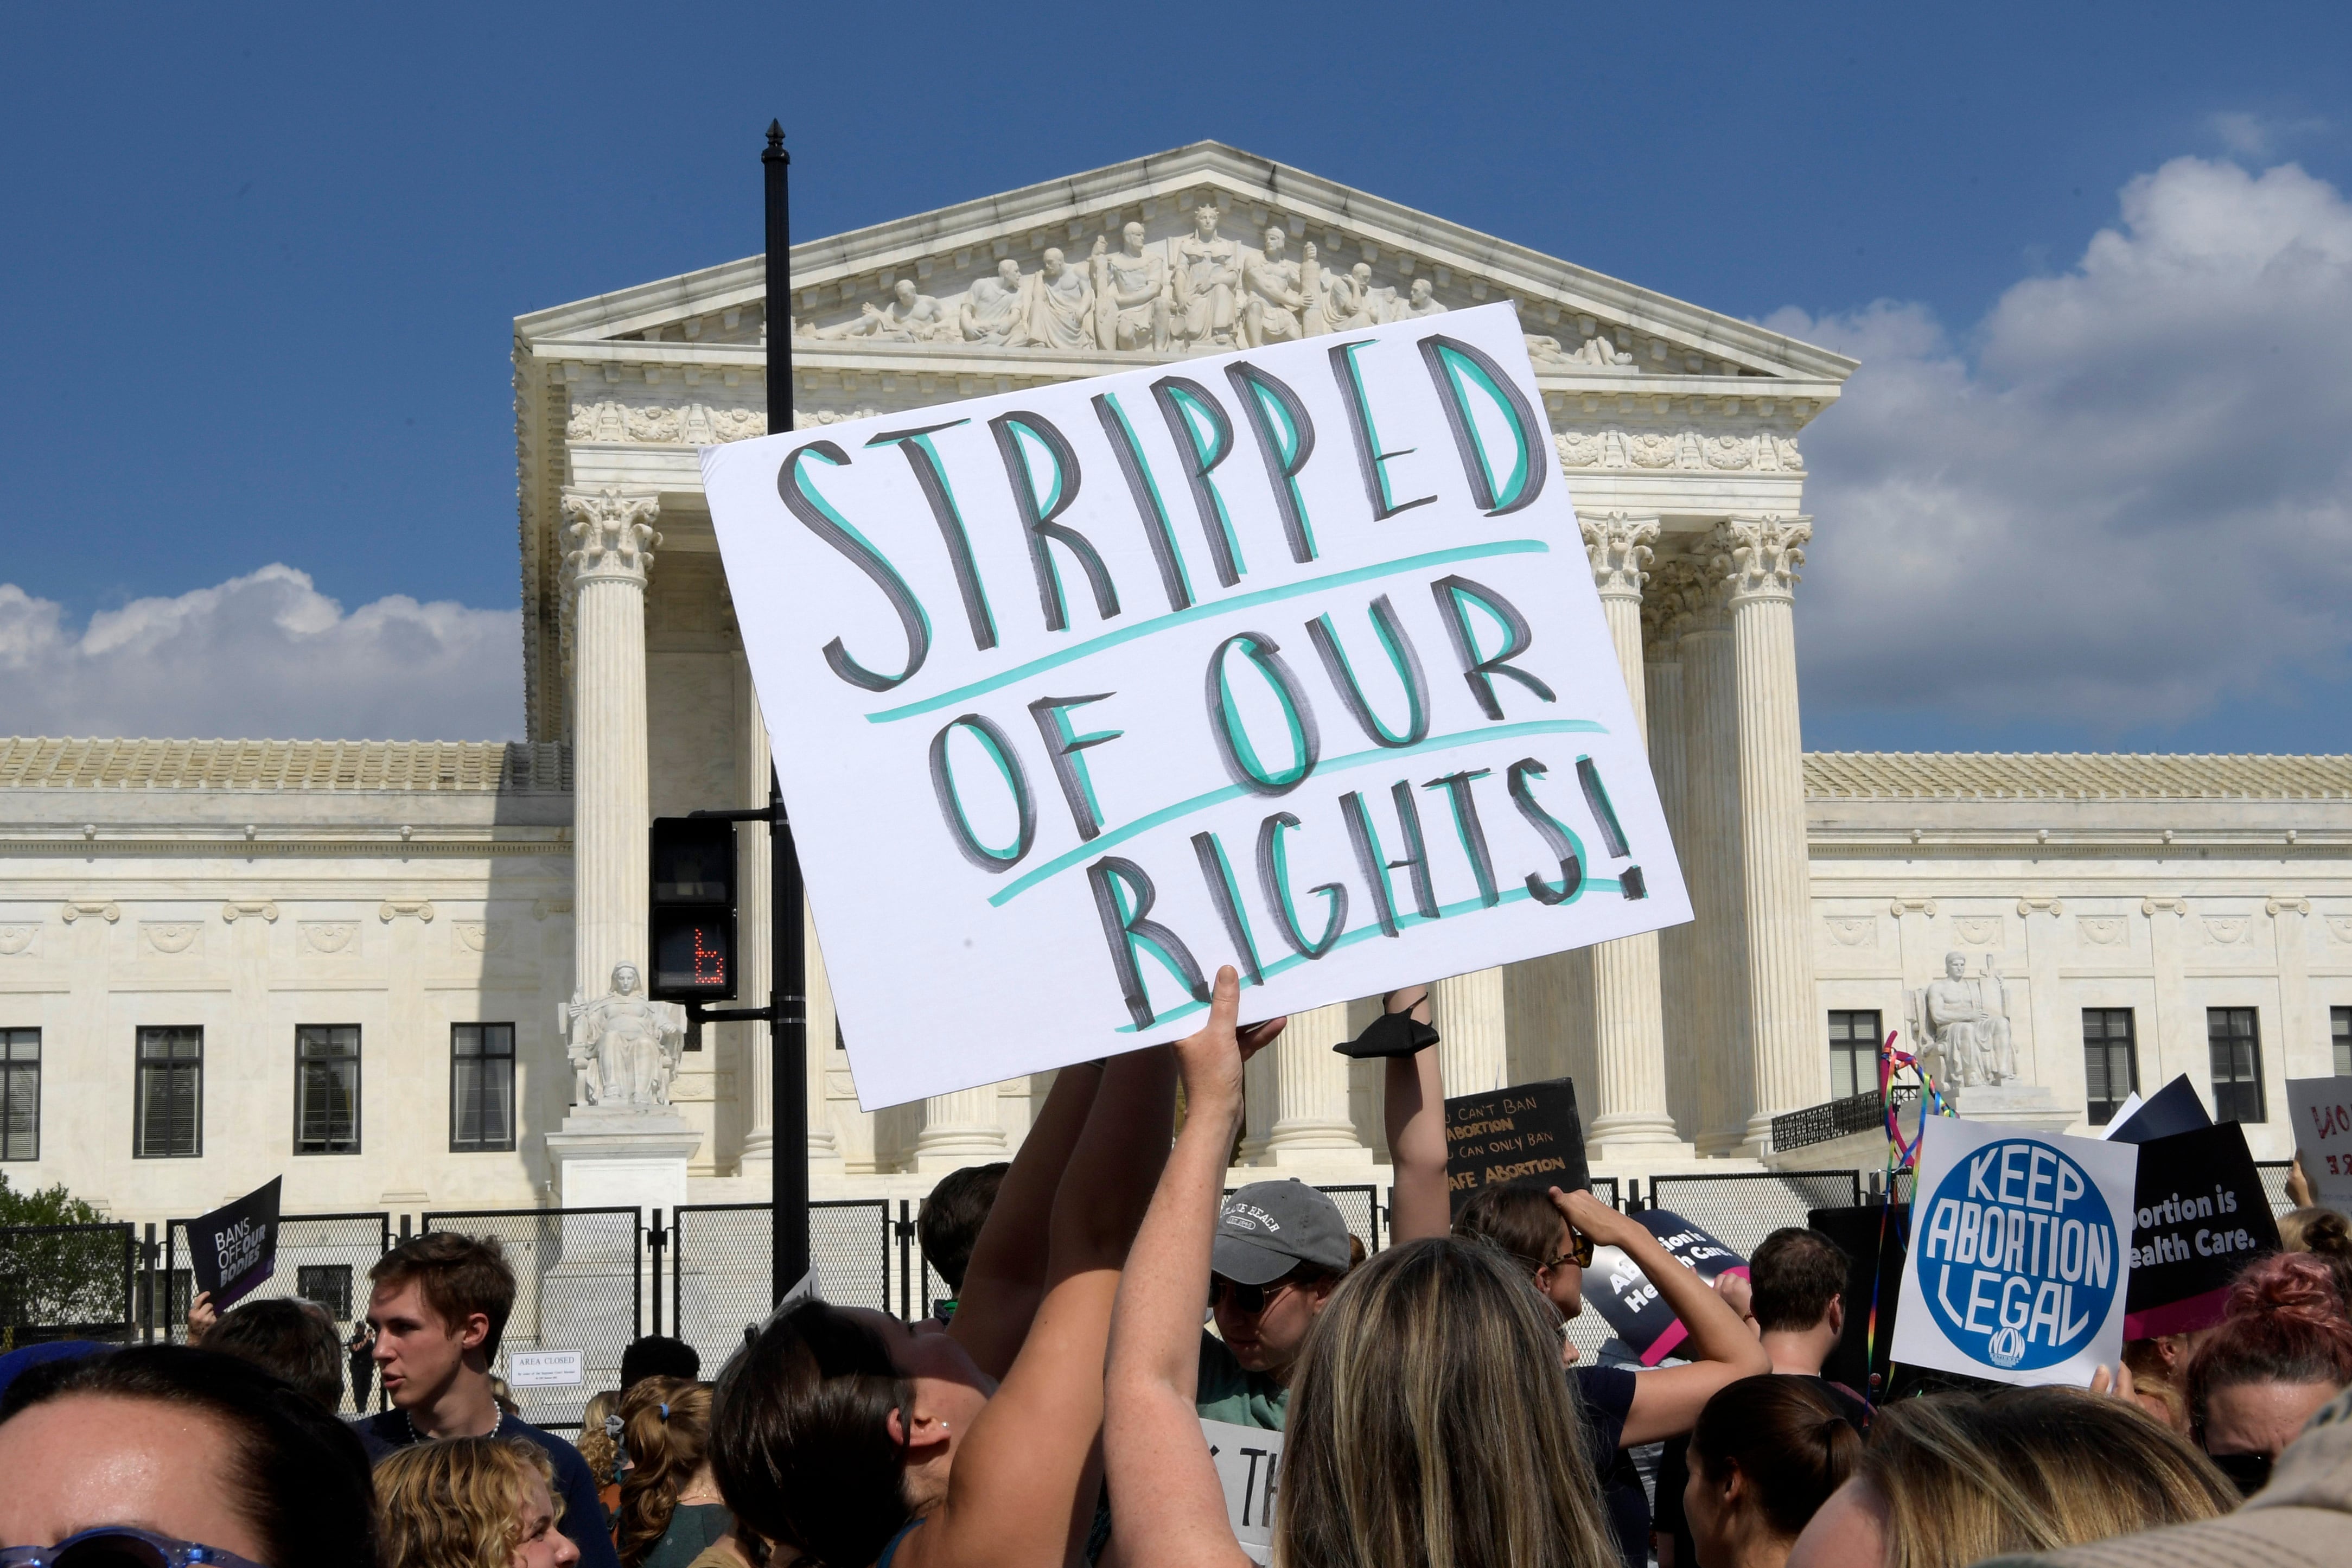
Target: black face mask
{"type": "Point", "coordinates": [2250, 1472]}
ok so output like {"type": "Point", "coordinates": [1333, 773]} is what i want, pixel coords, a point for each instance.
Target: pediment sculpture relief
{"type": "Point", "coordinates": [1198, 292]}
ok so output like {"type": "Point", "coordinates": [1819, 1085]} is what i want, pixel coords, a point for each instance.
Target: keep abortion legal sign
{"type": "Point", "coordinates": [2021, 1253]}
{"type": "Point", "coordinates": [1288, 658]}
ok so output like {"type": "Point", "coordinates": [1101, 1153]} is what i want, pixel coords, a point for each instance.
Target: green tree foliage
{"type": "Point", "coordinates": [52, 1276]}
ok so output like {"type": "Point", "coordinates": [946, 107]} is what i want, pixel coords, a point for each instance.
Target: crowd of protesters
{"type": "Point", "coordinates": [1105, 1297]}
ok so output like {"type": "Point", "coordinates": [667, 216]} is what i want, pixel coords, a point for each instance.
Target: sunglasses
{"type": "Point", "coordinates": [1580, 1251]}
{"type": "Point", "coordinates": [1247, 1299]}
{"type": "Point", "coordinates": [2251, 1472]}
{"type": "Point", "coordinates": [119, 1546]}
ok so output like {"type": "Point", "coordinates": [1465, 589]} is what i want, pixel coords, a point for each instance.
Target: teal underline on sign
{"type": "Point", "coordinates": [1202, 612]}
{"type": "Point", "coordinates": [1125, 831]}
{"type": "Point", "coordinates": [1444, 911]}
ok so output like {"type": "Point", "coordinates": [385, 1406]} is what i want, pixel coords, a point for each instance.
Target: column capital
{"type": "Point", "coordinates": [1758, 557]}
{"type": "Point", "coordinates": [611, 533]}
{"type": "Point", "coordinates": [1675, 594]}
{"type": "Point", "coordinates": [1619, 545]}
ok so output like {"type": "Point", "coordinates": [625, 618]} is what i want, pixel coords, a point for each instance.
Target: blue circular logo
{"type": "Point", "coordinates": [2019, 1256]}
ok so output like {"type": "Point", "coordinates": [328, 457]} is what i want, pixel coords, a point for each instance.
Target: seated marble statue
{"type": "Point", "coordinates": [910, 318]}
{"type": "Point", "coordinates": [1061, 316]}
{"type": "Point", "coordinates": [1207, 281]}
{"type": "Point", "coordinates": [1344, 301]}
{"type": "Point", "coordinates": [623, 1047]}
{"type": "Point", "coordinates": [1276, 299]}
{"type": "Point", "coordinates": [1130, 293]}
{"type": "Point", "coordinates": [1965, 1022]}
{"type": "Point", "coordinates": [1423, 303]}
{"type": "Point", "coordinates": [996, 310]}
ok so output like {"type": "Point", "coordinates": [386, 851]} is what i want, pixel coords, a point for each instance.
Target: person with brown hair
{"type": "Point", "coordinates": [1950, 1479]}
{"type": "Point", "coordinates": [290, 1339]}
{"type": "Point", "coordinates": [471, 1502]}
{"type": "Point", "coordinates": [671, 1510]}
{"type": "Point", "coordinates": [1550, 1234]}
{"type": "Point", "coordinates": [2282, 1350]}
{"type": "Point", "coordinates": [1766, 1453]}
{"type": "Point", "coordinates": [438, 1305]}
{"type": "Point", "coordinates": [1428, 1421]}
{"type": "Point", "coordinates": [2327, 1236]}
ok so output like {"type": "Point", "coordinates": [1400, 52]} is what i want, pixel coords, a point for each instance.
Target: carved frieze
{"type": "Point", "coordinates": [2225, 930]}
{"type": "Point", "coordinates": [2101, 931]}
{"type": "Point", "coordinates": [1652, 451]}
{"type": "Point", "coordinates": [1984, 932]}
{"type": "Point", "coordinates": [1854, 930]}
{"type": "Point", "coordinates": [170, 937]}
{"type": "Point", "coordinates": [16, 939]}
{"type": "Point", "coordinates": [330, 939]}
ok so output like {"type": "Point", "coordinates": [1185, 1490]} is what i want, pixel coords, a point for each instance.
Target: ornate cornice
{"type": "Point", "coordinates": [1618, 546]}
{"type": "Point", "coordinates": [1758, 557]}
{"type": "Point", "coordinates": [612, 535]}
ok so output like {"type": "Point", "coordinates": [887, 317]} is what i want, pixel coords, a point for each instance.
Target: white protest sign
{"type": "Point", "coordinates": [543, 1369]}
{"type": "Point", "coordinates": [1288, 658]}
{"type": "Point", "coordinates": [1248, 1459]}
{"type": "Point", "coordinates": [2322, 1109]}
{"type": "Point", "coordinates": [2021, 1253]}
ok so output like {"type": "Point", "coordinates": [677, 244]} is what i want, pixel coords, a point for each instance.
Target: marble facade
{"type": "Point", "coordinates": [1821, 884]}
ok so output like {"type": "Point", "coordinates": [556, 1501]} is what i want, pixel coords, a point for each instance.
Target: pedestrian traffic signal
{"type": "Point", "coordinates": [691, 924]}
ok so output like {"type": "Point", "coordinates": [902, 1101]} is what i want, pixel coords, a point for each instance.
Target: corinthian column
{"type": "Point", "coordinates": [1311, 1125]}
{"type": "Point", "coordinates": [1671, 594]}
{"type": "Point", "coordinates": [612, 541]}
{"type": "Point", "coordinates": [1758, 559]}
{"type": "Point", "coordinates": [1712, 865]}
{"type": "Point", "coordinates": [1629, 1027]}
{"type": "Point", "coordinates": [959, 1129]}
{"type": "Point", "coordinates": [1467, 1013]}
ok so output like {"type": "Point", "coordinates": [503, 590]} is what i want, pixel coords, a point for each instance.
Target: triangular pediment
{"type": "Point", "coordinates": [931, 290]}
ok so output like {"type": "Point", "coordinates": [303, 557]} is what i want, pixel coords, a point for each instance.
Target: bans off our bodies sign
{"type": "Point", "coordinates": [1289, 660]}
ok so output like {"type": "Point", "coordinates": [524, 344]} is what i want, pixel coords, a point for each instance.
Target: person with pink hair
{"type": "Point", "coordinates": [2283, 1348]}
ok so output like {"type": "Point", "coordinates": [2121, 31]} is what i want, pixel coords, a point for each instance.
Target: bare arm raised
{"type": "Point", "coordinates": [1170, 1510]}
{"type": "Point", "coordinates": [1006, 1277]}
{"type": "Point", "coordinates": [1721, 1348]}
{"type": "Point", "coordinates": [1022, 1487]}
{"type": "Point", "coordinates": [1412, 1102]}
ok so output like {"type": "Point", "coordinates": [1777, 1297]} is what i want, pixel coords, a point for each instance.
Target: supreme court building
{"type": "Point", "coordinates": [345, 960]}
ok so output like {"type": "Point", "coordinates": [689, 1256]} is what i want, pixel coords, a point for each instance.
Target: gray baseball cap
{"type": "Point", "coordinates": [1269, 1229]}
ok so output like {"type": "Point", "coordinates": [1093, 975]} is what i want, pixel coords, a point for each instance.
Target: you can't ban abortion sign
{"type": "Point", "coordinates": [1288, 658]}
{"type": "Point", "coordinates": [2021, 1253]}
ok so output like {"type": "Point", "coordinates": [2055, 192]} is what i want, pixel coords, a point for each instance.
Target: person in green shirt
{"type": "Point", "coordinates": [1281, 1247]}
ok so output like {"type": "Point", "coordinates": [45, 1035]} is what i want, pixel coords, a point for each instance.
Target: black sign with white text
{"type": "Point", "coordinates": [234, 1249]}
{"type": "Point", "coordinates": [1528, 1133]}
{"type": "Point", "coordinates": [2203, 1217]}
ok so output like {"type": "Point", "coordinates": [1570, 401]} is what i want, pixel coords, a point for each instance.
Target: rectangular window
{"type": "Point", "coordinates": [20, 1094]}
{"type": "Point", "coordinates": [168, 1118]}
{"type": "Point", "coordinates": [2339, 1030]}
{"type": "Point", "coordinates": [1854, 1054]}
{"type": "Point", "coordinates": [481, 1087]}
{"type": "Point", "coordinates": [327, 1088]}
{"type": "Point", "coordinates": [329, 1284]}
{"type": "Point", "coordinates": [2110, 1062]}
{"type": "Point", "coordinates": [2237, 1048]}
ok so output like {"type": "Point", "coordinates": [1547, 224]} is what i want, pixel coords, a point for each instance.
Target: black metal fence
{"type": "Point", "coordinates": [1837, 1118]}
{"type": "Point", "coordinates": [720, 1264]}
{"type": "Point", "coordinates": [68, 1282]}
{"type": "Point", "coordinates": [1741, 1210]}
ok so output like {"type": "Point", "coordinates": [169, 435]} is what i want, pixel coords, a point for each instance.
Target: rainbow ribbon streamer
{"type": "Point", "coordinates": [1901, 1156]}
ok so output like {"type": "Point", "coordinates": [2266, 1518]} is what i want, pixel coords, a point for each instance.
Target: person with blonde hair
{"type": "Point", "coordinates": [600, 1446]}
{"type": "Point", "coordinates": [670, 1510]}
{"type": "Point", "coordinates": [1952, 1478]}
{"type": "Point", "coordinates": [471, 1502]}
{"type": "Point", "coordinates": [1428, 1422]}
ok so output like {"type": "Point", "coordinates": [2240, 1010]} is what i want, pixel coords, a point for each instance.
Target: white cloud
{"type": "Point", "coordinates": [261, 655]}
{"type": "Point", "coordinates": [2126, 500]}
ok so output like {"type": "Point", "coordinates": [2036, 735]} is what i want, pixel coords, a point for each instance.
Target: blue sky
{"type": "Point", "coordinates": [261, 266]}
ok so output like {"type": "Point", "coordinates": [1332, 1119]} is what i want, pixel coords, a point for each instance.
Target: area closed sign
{"type": "Point", "coordinates": [1289, 660]}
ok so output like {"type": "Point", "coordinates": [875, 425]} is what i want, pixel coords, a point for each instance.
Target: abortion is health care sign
{"type": "Point", "coordinates": [1288, 658]}
{"type": "Point", "coordinates": [2021, 1253]}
